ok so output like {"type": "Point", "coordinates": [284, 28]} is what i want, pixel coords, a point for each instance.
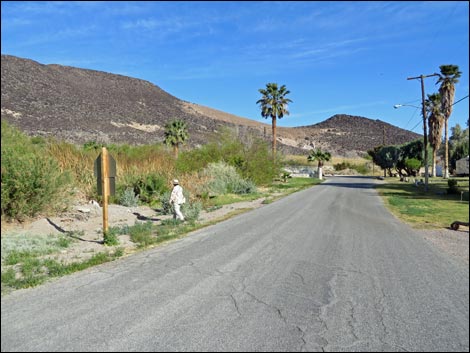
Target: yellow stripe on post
{"type": "Point", "coordinates": [105, 186]}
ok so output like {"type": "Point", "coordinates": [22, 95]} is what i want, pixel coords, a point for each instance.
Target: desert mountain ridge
{"type": "Point", "coordinates": [81, 105]}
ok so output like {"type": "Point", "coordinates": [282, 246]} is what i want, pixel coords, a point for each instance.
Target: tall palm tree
{"type": "Point", "coordinates": [436, 123]}
{"type": "Point", "coordinates": [274, 104]}
{"type": "Point", "coordinates": [448, 78]}
{"type": "Point", "coordinates": [321, 157]}
{"type": "Point", "coordinates": [176, 133]}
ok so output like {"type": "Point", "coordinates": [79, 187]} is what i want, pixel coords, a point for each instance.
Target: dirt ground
{"type": "Point", "coordinates": [86, 223]}
{"type": "Point", "coordinates": [452, 242]}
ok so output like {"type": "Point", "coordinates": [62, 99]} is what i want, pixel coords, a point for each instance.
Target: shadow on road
{"type": "Point", "coordinates": [353, 182]}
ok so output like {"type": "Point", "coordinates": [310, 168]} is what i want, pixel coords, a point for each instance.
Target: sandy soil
{"type": "Point", "coordinates": [84, 222]}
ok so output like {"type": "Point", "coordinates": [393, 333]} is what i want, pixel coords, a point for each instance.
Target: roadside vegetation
{"type": "Point", "coordinates": [29, 261]}
{"type": "Point", "coordinates": [446, 201]}
{"type": "Point", "coordinates": [41, 177]}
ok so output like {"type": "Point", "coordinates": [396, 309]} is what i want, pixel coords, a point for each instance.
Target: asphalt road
{"type": "Point", "coordinates": [325, 269]}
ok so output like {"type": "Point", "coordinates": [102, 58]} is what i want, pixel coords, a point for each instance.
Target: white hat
{"type": "Point", "coordinates": [175, 181]}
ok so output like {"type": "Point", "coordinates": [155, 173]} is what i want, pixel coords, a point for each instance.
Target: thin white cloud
{"type": "Point", "coordinates": [64, 34]}
{"type": "Point", "coordinates": [146, 24]}
{"type": "Point", "coordinates": [15, 22]}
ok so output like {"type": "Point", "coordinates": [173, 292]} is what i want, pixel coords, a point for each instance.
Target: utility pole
{"type": "Point", "coordinates": [383, 143]}
{"type": "Point", "coordinates": [423, 100]}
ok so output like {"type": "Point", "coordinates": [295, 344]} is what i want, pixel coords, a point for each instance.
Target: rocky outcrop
{"type": "Point", "coordinates": [80, 105]}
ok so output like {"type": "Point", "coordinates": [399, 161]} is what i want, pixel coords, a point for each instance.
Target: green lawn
{"type": "Point", "coordinates": [433, 209]}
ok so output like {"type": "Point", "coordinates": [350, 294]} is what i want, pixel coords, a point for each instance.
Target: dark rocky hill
{"type": "Point", "coordinates": [353, 133]}
{"type": "Point", "coordinates": [79, 105]}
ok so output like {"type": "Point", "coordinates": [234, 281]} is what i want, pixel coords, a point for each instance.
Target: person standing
{"type": "Point", "coordinates": [177, 199]}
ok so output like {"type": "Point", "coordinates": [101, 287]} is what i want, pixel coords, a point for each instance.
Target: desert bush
{"type": "Point", "coordinates": [224, 179]}
{"type": "Point", "coordinates": [252, 160]}
{"type": "Point", "coordinates": [129, 198]}
{"type": "Point", "coordinates": [148, 187]}
{"type": "Point", "coordinates": [32, 181]}
{"type": "Point", "coordinates": [342, 166]}
{"type": "Point", "coordinates": [191, 211]}
{"type": "Point", "coordinates": [166, 207]}
{"type": "Point", "coordinates": [360, 168]}
{"type": "Point", "coordinates": [259, 165]}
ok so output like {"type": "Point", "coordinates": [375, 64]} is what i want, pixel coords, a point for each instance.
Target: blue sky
{"type": "Point", "coordinates": [335, 57]}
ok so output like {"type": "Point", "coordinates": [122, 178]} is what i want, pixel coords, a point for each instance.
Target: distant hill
{"type": "Point", "coordinates": [80, 105]}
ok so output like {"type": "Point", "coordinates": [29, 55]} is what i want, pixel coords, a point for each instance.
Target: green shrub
{"type": "Point", "coordinates": [259, 165]}
{"type": "Point", "coordinates": [164, 199]}
{"type": "Point", "coordinates": [110, 237]}
{"type": "Point", "coordinates": [252, 159]}
{"type": "Point", "coordinates": [342, 166]}
{"type": "Point", "coordinates": [147, 187]}
{"type": "Point", "coordinates": [412, 166]}
{"type": "Point", "coordinates": [360, 168]}
{"type": "Point", "coordinates": [92, 146]}
{"type": "Point", "coordinates": [32, 182]}
{"type": "Point", "coordinates": [191, 211]}
{"type": "Point", "coordinates": [152, 186]}
{"type": "Point", "coordinates": [224, 179]}
{"type": "Point", "coordinates": [129, 198]}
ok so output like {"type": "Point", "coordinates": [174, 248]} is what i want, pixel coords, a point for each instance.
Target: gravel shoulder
{"type": "Point", "coordinates": [452, 242]}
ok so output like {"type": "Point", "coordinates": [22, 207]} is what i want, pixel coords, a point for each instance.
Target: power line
{"type": "Point", "coordinates": [414, 113]}
{"type": "Point", "coordinates": [460, 100]}
{"type": "Point", "coordinates": [419, 122]}
{"type": "Point", "coordinates": [412, 116]}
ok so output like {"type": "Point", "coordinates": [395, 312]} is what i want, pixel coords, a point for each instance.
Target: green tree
{"type": "Point", "coordinates": [176, 133]}
{"type": "Point", "coordinates": [436, 123]}
{"type": "Point", "coordinates": [274, 103]}
{"type": "Point", "coordinates": [458, 145]}
{"type": "Point", "coordinates": [389, 156]}
{"type": "Point", "coordinates": [321, 157]}
{"type": "Point", "coordinates": [413, 150]}
{"type": "Point", "coordinates": [448, 78]}
{"type": "Point", "coordinates": [412, 166]}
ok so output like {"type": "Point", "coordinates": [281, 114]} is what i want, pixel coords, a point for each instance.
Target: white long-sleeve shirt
{"type": "Point", "coordinates": [177, 196]}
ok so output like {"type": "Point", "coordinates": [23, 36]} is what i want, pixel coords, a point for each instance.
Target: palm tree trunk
{"type": "Point", "coordinates": [274, 135]}
{"type": "Point", "coordinates": [320, 170]}
{"type": "Point", "coordinates": [434, 153]}
{"type": "Point", "coordinates": [446, 149]}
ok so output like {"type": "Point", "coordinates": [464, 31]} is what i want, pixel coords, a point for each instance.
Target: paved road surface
{"type": "Point", "coordinates": [325, 269]}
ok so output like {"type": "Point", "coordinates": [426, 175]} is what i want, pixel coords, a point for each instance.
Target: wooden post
{"type": "Point", "coordinates": [383, 143]}
{"type": "Point", "coordinates": [105, 186]}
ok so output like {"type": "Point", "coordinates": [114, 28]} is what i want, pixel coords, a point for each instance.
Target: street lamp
{"type": "Point", "coordinates": [396, 106]}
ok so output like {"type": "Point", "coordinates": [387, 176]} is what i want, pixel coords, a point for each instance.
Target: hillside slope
{"type": "Point", "coordinates": [81, 105]}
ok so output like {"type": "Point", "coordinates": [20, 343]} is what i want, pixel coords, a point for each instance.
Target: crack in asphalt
{"type": "Point", "coordinates": [331, 301]}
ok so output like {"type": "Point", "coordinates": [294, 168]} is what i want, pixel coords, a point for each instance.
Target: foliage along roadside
{"type": "Point", "coordinates": [28, 262]}
{"type": "Point", "coordinates": [40, 176]}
